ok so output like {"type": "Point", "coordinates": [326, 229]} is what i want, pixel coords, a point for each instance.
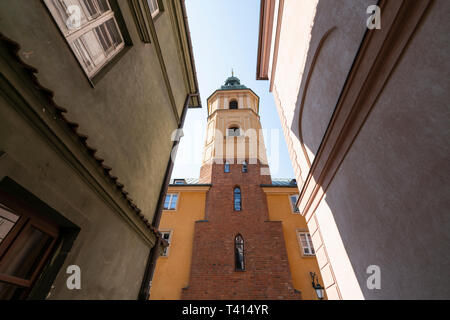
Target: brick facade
{"type": "Point", "coordinates": [213, 275]}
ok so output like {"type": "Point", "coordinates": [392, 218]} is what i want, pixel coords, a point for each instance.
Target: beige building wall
{"type": "Point", "coordinates": [280, 209]}
{"type": "Point", "coordinates": [365, 117]}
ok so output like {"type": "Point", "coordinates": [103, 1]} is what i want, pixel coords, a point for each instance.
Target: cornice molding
{"type": "Point", "coordinates": [189, 188]}
{"type": "Point", "coordinates": [276, 44]}
{"type": "Point", "coordinates": [279, 189]}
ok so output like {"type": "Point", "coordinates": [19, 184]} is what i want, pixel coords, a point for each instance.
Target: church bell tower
{"type": "Point", "coordinates": [237, 252]}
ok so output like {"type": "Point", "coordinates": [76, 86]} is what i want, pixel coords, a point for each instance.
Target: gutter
{"type": "Point", "coordinates": [144, 292]}
{"type": "Point", "coordinates": [191, 55]}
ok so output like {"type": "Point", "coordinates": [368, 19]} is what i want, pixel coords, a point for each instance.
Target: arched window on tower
{"type": "Point", "coordinates": [237, 199]}
{"type": "Point", "coordinates": [233, 104]}
{"type": "Point", "coordinates": [244, 167]}
{"type": "Point", "coordinates": [239, 253]}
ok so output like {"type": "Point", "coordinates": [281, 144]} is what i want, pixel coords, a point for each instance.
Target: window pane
{"type": "Point", "coordinates": [294, 202]}
{"type": "Point", "coordinates": [113, 32]}
{"type": "Point", "coordinates": [237, 199]}
{"type": "Point", "coordinates": [83, 55]}
{"type": "Point", "coordinates": [92, 44]}
{"type": "Point", "coordinates": [239, 253]}
{"type": "Point", "coordinates": [68, 9]}
{"type": "Point", "coordinates": [7, 222]}
{"type": "Point", "coordinates": [104, 39]}
{"type": "Point", "coordinates": [91, 8]}
{"type": "Point", "coordinates": [103, 5]}
{"type": "Point", "coordinates": [22, 259]}
{"type": "Point", "coordinates": [153, 5]}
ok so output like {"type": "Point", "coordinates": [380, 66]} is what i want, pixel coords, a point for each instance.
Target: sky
{"type": "Point", "coordinates": [225, 36]}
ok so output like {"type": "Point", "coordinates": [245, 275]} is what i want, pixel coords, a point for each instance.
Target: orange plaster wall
{"type": "Point", "coordinates": [280, 210]}
{"type": "Point", "coordinates": [172, 272]}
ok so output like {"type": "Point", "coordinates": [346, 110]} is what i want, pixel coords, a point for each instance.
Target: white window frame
{"type": "Point", "coordinates": [309, 244]}
{"type": "Point", "coordinates": [293, 207]}
{"type": "Point", "coordinates": [166, 250]}
{"type": "Point", "coordinates": [86, 27]}
{"type": "Point", "coordinates": [171, 194]}
{"type": "Point", "coordinates": [153, 5]}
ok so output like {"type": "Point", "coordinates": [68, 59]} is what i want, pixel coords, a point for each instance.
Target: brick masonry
{"type": "Point", "coordinates": [213, 275]}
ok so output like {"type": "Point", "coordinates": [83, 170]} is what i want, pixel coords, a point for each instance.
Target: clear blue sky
{"type": "Point", "coordinates": [224, 36]}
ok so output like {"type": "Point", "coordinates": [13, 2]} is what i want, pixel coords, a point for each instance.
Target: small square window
{"type": "Point", "coordinates": [166, 235]}
{"type": "Point", "coordinates": [294, 199]}
{"type": "Point", "coordinates": [154, 7]}
{"type": "Point", "coordinates": [170, 203]}
{"type": "Point", "coordinates": [306, 243]}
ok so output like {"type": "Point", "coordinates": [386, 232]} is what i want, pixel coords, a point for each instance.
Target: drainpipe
{"type": "Point", "coordinates": [144, 292]}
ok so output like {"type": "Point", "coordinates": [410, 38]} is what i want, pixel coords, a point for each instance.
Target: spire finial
{"type": "Point", "coordinates": [232, 72]}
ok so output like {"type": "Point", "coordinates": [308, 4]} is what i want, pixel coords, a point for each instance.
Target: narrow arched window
{"type": "Point", "coordinates": [239, 253]}
{"type": "Point", "coordinates": [244, 167]}
{"type": "Point", "coordinates": [226, 167]}
{"type": "Point", "coordinates": [233, 104]}
{"type": "Point", "coordinates": [237, 199]}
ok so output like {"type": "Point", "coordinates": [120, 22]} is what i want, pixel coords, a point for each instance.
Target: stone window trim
{"type": "Point", "coordinates": [167, 235]}
{"type": "Point", "coordinates": [305, 243]}
{"type": "Point", "coordinates": [170, 197]}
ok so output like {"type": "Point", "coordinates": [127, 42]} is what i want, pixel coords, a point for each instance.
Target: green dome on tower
{"type": "Point", "coordinates": [232, 83]}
